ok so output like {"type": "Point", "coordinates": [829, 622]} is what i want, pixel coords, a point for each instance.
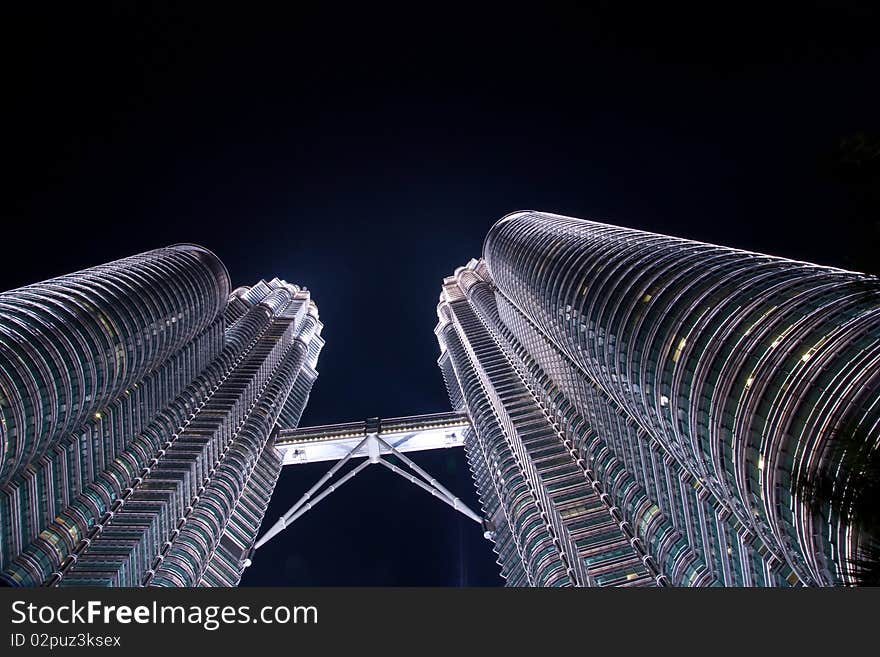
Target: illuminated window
{"type": "Point", "coordinates": [678, 350]}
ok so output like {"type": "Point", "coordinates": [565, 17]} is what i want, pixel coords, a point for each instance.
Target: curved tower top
{"type": "Point", "coordinates": [71, 344]}
{"type": "Point", "coordinates": [749, 370]}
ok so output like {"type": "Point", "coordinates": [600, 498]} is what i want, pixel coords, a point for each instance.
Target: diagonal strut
{"type": "Point", "coordinates": [373, 444]}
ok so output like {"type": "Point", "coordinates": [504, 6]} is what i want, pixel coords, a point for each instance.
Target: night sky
{"type": "Point", "coordinates": [365, 156]}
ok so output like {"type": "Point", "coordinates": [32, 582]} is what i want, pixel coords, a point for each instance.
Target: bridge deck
{"type": "Point", "coordinates": [331, 442]}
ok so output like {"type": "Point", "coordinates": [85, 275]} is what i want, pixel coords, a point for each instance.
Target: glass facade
{"type": "Point", "coordinates": [138, 402]}
{"type": "Point", "coordinates": [688, 386]}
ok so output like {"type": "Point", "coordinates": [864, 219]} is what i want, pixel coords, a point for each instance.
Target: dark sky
{"type": "Point", "coordinates": [365, 155]}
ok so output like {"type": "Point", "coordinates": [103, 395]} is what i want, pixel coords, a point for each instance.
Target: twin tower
{"type": "Point", "coordinates": [636, 410]}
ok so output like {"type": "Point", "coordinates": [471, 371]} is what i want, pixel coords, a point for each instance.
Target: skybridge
{"type": "Point", "coordinates": [374, 440]}
{"type": "Point", "coordinates": [332, 442]}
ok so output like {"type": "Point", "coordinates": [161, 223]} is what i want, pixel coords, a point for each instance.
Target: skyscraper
{"type": "Point", "coordinates": [138, 400]}
{"type": "Point", "coordinates": [647, 409]}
